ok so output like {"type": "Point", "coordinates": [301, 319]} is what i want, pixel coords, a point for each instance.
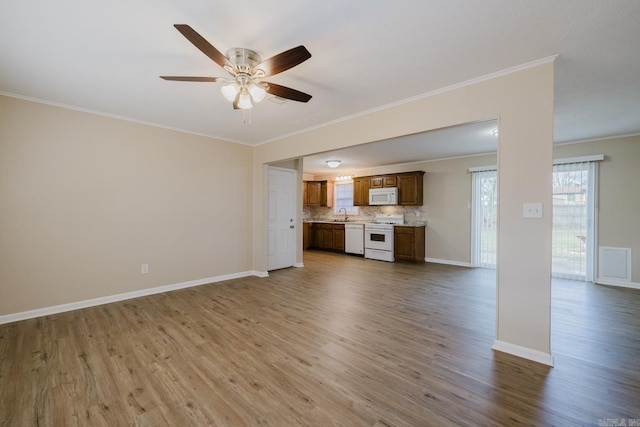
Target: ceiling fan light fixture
{"type": "Point", "coordinates": [257, 92]}
{"type": "Point", "coordinates": [230, 91]}
{"type": "Point", "coordinates": [333, 163]}
{"type": "Point", "coordinates": [246, 68]}
{"type": "Point", "coordinates": [244, 102]}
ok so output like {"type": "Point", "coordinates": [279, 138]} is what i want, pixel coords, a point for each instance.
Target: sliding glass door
{"type": "Point", "coordinates": [573, 220]}
{"type": "Point", "coordinates": [484, 209]}
{"type": "Point", "coordinates": [573, 241]}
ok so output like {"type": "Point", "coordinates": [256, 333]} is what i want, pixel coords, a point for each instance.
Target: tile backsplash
{"type": "Point", "coordinates": [413, 215]}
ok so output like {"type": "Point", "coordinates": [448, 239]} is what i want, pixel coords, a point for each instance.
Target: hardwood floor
{"type": "Point", "coordinates": [343, 341]}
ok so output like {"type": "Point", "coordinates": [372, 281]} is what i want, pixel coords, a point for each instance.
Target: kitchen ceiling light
{"type": "Point", "coordinates": [333, 163]}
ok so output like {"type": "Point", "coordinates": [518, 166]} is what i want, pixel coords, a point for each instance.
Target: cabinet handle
{"type": "Point", "coordinates": [292, 226]}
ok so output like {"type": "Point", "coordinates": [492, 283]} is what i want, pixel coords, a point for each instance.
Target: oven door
{"type": "Point", "coordinates": [378, 239]}
{"type": "Point", "coordinates": [379, 255]}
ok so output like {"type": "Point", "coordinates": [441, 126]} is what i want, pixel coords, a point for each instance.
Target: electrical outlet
{"type": "Point", "coordinates": [144, 269]}
{"type": "Point", "coordinates": [532, 210]}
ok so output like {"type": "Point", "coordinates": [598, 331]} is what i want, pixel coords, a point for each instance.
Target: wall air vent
{"type": "Point", "coordinates": [614, 266]}
{"type": "Point", "coordinates": [277, 100]}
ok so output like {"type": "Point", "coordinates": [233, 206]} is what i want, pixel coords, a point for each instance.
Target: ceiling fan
{"type": "Point", "coordinates": [246, 69]}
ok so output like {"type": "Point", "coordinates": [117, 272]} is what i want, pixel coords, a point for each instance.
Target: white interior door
{"type": "Point", "coordinates": [281, 228]}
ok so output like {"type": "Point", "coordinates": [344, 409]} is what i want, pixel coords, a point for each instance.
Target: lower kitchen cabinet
{"type": "Point", "coordinates": [307, 235]}
{"type": "Point", "coordinates": [409, 243]}
{"type": "Point", "coordinates": [338, 237]}
{"type": "Point", "coordinates": [326, 236]}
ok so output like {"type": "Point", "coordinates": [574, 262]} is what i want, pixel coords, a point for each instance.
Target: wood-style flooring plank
{"type": "Point", "coordinates": [344, 341]}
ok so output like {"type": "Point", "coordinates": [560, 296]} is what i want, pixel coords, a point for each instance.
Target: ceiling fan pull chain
{"type": "Point", "coordinates": [246, 117]}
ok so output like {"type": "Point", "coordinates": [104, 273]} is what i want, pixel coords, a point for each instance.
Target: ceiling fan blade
{"type": "Point", "coordinates": [202, 44]}
{"type": "Point", "coordinates": [287, 92]}
{"type": "Point", "coordinates": [194, 79]}
{"type": "Point", "coordinates": [285, 60]}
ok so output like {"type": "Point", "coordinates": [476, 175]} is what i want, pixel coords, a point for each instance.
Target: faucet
{"type": "Point", "coordinates": [345, 214]}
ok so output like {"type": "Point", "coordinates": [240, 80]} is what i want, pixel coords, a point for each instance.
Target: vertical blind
{"type": "Point", "coordinates": [573, 218]}
{"type": "Point", "coordinates": [485, 218]}
{"type": "Point", "coordinates": [573, 222]}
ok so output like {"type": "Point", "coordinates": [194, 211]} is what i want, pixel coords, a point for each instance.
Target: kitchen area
{"type": "Point", "coordinates": [387, 221]}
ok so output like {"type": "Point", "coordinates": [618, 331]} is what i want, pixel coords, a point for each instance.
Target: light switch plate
{"type": "Point", "coordinates": [532, 210]}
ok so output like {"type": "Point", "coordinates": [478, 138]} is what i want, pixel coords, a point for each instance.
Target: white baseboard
{"type": "Point", "coordinates": [524, 352]}
{"type": "Point", "coordinates": [24, 315]}
{"type": "Point", "coordinates": [449, 262]}
{"type": "Point", "coordinates": [619, 283]}
{"type": "Point", "coordinates": [298, 265]}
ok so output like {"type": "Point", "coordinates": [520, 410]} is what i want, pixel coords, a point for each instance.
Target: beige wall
{"type": "Point", "coordinates": [447, 196]}
{"type": "Point", "coordinates": [522, 101]}
{"type": "Point", "coordinates": [85, 200]}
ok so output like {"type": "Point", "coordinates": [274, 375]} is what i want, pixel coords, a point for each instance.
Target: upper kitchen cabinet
{"type": "Point", "coordinates": [384, 181]}
{"type": "Point", "coordinates": [361, 187]}
{"type": "Point", "coordinates": [410, 188]}
{"type": "Point", "coordinates": [317, 193]}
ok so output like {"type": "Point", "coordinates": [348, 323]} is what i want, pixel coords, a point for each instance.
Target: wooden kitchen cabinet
{"type": "Point", "coordinates": [409, 243]}
{"type": "Point", "coordinates": [410, 188]}
{"type": "Point", "coordinates": [307, 235]}
{"type": "Point", "coordinates": [305, 193]}
{"type": "Point", "coordinates": [326, 239]}
{"type": "Point", "coordinates": [383, 181]}
{"type": "Point", "coordinates": [313, 192]}
{"type": "Point", "coordinates": [326, 236]}
{"type": "Point", "coordinates": [317, 236]}
{"type": "Point", "coordinates": [326, 194]}
{"type": "Point", "coordinates": [338, 237]}
{"type": "Point", "coordinates": [317, 193]}
{"type": "Point", "coordinates": [361, 187]}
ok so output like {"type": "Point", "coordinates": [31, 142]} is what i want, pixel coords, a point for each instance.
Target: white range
{"type": "Point", "coordinates": [378, 237]}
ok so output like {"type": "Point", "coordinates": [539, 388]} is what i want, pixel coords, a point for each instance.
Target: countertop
{"type": "Point", "coordinates": [328, 221]}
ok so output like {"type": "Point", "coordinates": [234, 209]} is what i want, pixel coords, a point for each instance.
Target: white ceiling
{"type": "Point", "coordinates": [462, 140]}
{"type": "Point", "coordinates": [106, 57]}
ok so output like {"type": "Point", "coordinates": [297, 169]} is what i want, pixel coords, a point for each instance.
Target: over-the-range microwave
{"type": "Point", "coordinates": [383, 196]}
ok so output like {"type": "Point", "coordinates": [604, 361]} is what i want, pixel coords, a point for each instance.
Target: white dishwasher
{"type": "Point", "coordinates": [354, 239]}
